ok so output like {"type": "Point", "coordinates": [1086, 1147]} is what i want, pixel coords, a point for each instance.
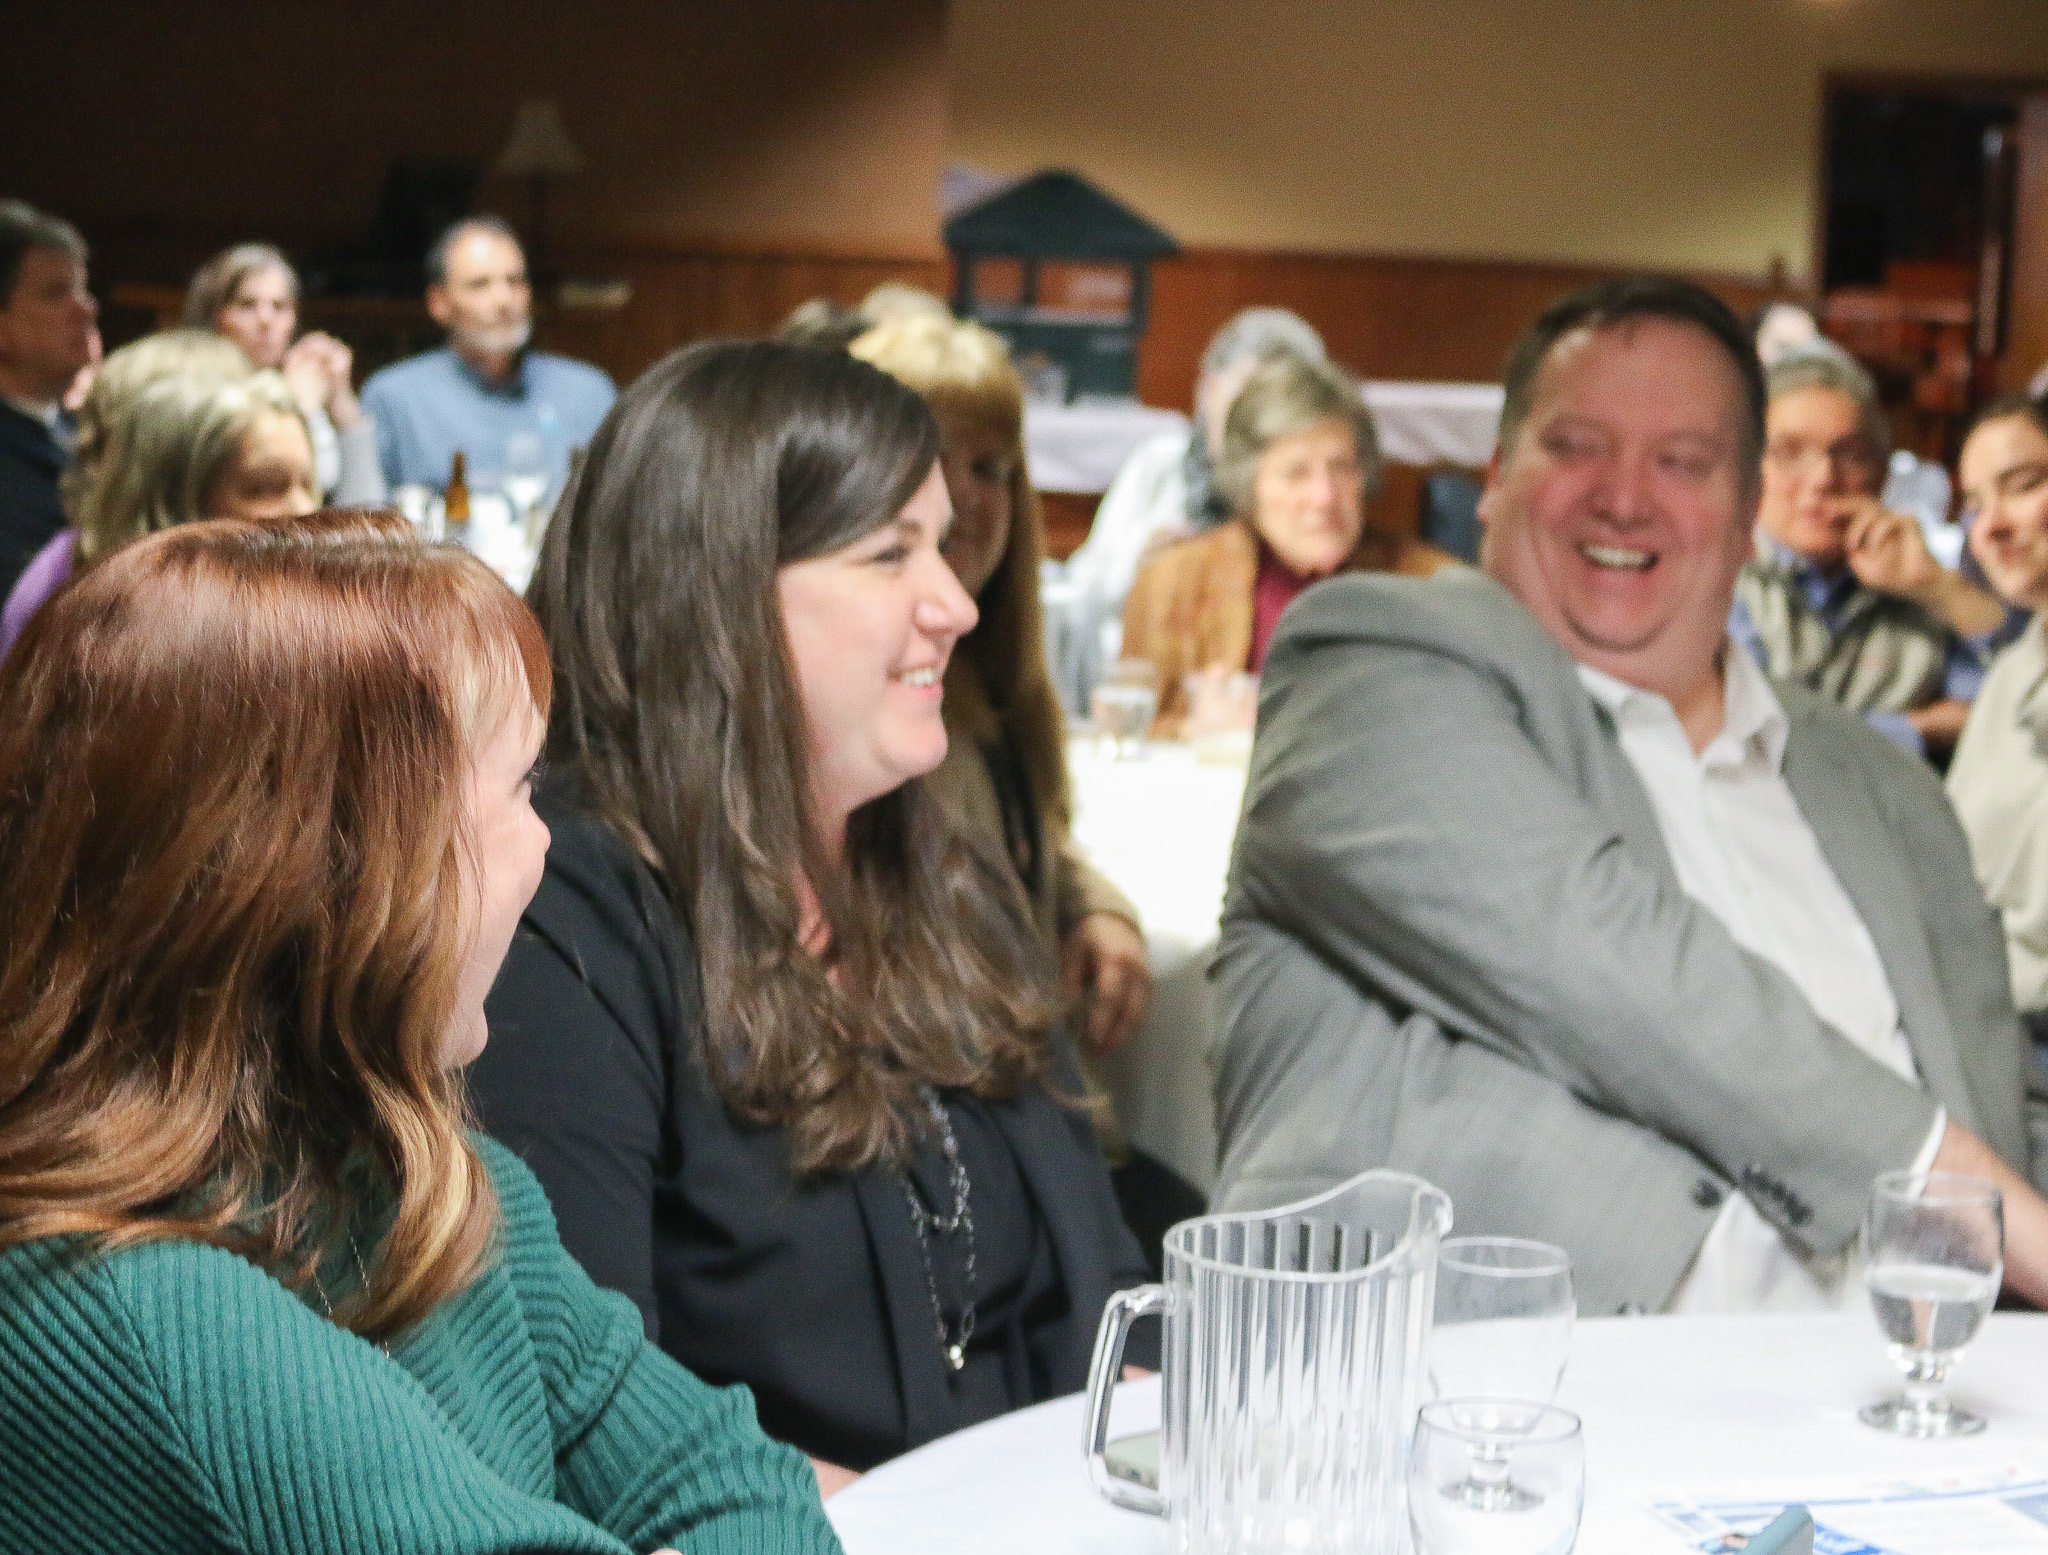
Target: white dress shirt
{"type": "Point", "coordinates": [1743, 850]}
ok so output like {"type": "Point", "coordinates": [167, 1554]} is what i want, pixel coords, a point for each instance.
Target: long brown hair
{"type": "Point", "coordinates": [232, 832]}
{"type": "Point", "coordinates": [963, 371]}
{"type": "Point", "coordinates": [680, 716]}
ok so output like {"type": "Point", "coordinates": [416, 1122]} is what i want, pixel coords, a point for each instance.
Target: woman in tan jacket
{"type": "Point", "coordinates": [1005, 772]}
{"type": "Point", "coordinates": [1299, 457]}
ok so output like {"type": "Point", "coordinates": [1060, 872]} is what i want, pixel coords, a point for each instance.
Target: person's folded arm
{"type": "Point", "coordinates": [1402, 824]}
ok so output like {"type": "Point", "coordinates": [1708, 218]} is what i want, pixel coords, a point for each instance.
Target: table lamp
{"type": "Point", "coordinates": [539, 149]}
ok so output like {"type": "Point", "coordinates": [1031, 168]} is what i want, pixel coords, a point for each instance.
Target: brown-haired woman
{"type": "Point", "coordinates": [265, 828]}
{"type": "Point", "coordinates": [779, 1042]}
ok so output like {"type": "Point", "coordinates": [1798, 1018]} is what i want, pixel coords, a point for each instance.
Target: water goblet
{"type": "Point", "coordinates": [1933, 1257]}
{"type": "Point", "coordinates": [526, 480]}
{"type": "Point", "coordinates": [1125, 704]}
{"type": "Point", "coordinates": [1504, 1314]}
{"type": "Point", "coordinates": [1494, 1476]}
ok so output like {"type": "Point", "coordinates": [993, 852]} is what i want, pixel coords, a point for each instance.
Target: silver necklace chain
{"type": "Point", "coordinates": [961, 1221]}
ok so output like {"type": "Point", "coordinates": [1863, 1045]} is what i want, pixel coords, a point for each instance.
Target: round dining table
{"type": "Point", "coordinates": [1160, 827]}
{"type": "Point", "coordinates": [1669, 1404]}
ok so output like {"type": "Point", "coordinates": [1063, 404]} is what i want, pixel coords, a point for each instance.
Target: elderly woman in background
{"type": "Point", "coordinates": [250, 294]}
{"type": "Point", "coordinates": [1168, 487]}
{"type": "Point", "coordinates": [780, 1044]}
{"type": "Point", "coordinates": [1299, 457]}
{"type": "Point", "coordinates": [1999, 779]}
{"type": "Point", "coordinates": [1843, 595]}
{"type": "Point", "coordinates": [152, 412]}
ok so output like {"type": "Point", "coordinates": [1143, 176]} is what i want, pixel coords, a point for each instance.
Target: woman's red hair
{"type": "Point", "coordinates": [232, 831]}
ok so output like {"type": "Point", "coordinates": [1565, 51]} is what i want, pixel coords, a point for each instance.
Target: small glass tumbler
{"type": "Point", "coordinates": [1125, 704]}
{"type": "Point", "coordinates": [1495, 1476]}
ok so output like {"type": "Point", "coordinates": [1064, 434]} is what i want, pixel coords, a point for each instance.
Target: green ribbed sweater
{"type": "Point", "coordinates": [173, 1397]}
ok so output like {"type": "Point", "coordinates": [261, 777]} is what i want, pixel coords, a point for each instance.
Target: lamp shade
{"type": "Point", "coordinates": [539, 144]}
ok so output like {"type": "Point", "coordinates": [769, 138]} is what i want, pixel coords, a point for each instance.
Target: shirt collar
{"type": "Point", "coordinates": [1754, 725]}
{"type": "Point", "coordinates": [1823, 587]}
{"type": "Point", "coordinates": [513, 388]}
{"type": "Point", "coordinates": [47, 414]}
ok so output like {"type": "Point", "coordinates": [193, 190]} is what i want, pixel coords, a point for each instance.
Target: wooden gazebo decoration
{"type": "Point", "coordinates": [1062, 272]}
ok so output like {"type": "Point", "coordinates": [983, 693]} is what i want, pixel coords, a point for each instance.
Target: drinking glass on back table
{"type": "Point", "coordinates": [526, 478]}
{"type": "Point", "coordinates": [1125, 703]}
{"type": "Point", "coordinates": [1933, 1257]}
{"type": "Point", "coordinates": [1504, 1313]}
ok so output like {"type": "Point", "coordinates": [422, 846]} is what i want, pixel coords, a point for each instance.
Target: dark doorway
{"type": "Point", "coordinates": [1917, 244]}
{"type": "Point", "coordinates": [1914, 176]}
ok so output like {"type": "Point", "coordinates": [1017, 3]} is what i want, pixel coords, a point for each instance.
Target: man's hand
{"type": "Point", "coordinates": [1105, 965]}
{"type": "Point", "coordinates": [1887, 552]}
{"type": "Point", "coordinates": [2026, 1212]}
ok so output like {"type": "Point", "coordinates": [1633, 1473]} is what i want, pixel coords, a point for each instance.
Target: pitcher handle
{"type": "Point", "coordinates": [1122, 1310]}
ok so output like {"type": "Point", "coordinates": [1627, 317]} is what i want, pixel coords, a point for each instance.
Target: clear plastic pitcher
{"type": "Point", "coordinates": [1295, 1358]}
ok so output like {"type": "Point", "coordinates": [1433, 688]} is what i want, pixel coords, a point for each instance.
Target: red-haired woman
{"type": "Point", "coordinates": [265, 828]}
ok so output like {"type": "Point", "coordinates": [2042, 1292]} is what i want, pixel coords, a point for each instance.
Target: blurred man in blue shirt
{"type": "Point", "coordinates": [485, 388]}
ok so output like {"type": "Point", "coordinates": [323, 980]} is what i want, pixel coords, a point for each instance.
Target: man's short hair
{"type": "Point", "coordinates": [23, 227]}
{"type": "Point", "coordinates": [437, 256]}
{"type": "Point", "coordinates": [1609, 304]}
{"type": "Point", "coordinates": [1822, 364]}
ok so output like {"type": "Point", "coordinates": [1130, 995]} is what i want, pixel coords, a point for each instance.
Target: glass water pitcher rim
{"type": "Point", "coordinates": [1429, 1215]}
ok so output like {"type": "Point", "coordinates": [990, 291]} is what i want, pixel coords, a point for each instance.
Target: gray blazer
{"type": "Point", "coordinates": [1454, 944]}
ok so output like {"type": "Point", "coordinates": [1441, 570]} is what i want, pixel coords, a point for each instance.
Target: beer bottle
{"type": "Point", "coordinates": [455, 500]}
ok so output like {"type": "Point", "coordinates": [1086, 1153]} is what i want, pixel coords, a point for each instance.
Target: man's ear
{"type": "Point", "coordinates": [1491, 493]}
{"type": "Point", "coordinates": [439, 308]}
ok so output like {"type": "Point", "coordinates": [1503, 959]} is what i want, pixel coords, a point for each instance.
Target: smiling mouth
{"type": "Point", "coordinates": [927, 676]}
{"type": "Point", "coordinates": [1616, 558]}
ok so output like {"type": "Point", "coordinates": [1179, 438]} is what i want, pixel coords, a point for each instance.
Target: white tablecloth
{"type": "Point", "coordinates": [1160, 827]}
{"type": "Point", "coordinates": [1081, 447]}
{"type": "Point", "coordinates": [1668, 1403]}
{"type": "Point", "coordinates": [1435, 423]}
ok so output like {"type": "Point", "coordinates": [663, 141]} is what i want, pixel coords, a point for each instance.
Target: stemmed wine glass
{"type": "Point", "coordinates": [1504, 1313]}
{"type": "Point", "coordinates": [526, 481]}
{"type": "Point", "coordinates": [1503, 1332]}
{"type": "Point", "coordinates": [1933, 1257]}
{"type": "Point", "coordinates": [1541, 1492]}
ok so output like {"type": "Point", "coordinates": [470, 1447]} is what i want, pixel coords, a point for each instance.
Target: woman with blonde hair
{"type": "Point", "coordinates": [177, 427]}
{"type": "Point", "coordinates": [1299, 458]}
{"type": "Point", "coordinates": [265, 823]}
{"type": "Point", "coordinates": [1005, 773]}
{"type": "Point", "coordinates": [250, 295]}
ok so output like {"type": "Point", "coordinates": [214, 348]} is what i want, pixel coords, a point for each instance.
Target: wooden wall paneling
{"type": "Point", "coordinates": [2026, 347]}
{"type": "Point", "coordinates": [682, 294]}
{"type": "Point", "coordinates": [1382, 316]}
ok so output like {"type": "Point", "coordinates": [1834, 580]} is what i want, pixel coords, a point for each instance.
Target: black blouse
{"type": "Point", "coordinates": [814, 1294]}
